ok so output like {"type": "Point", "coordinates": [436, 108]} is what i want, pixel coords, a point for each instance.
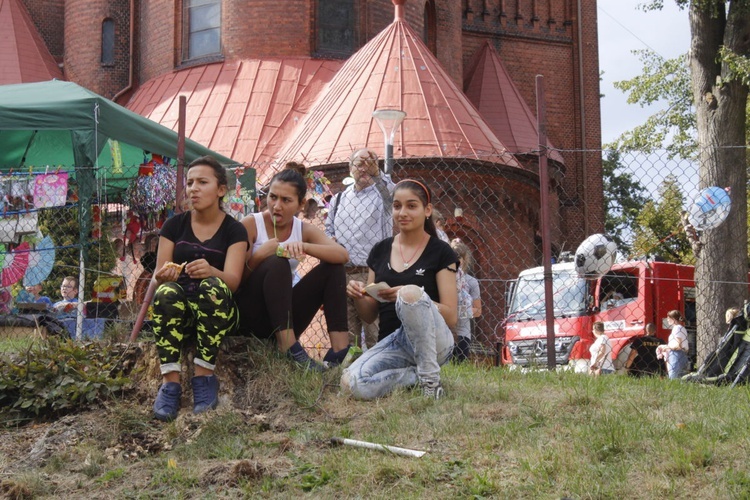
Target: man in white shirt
{"type": "Point", "coordinates": [359, 217]}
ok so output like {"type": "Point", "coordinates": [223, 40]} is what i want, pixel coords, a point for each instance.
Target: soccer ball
{"type": "Point", "coordinates": [595, 256]}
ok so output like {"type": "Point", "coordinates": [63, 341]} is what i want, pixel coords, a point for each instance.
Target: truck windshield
{"type": "Point", "coordinates": [569, 296]}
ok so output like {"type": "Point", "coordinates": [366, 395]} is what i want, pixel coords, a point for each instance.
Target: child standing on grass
{"type": "Point", "coordinates": [601, 352]}
{"type": "Point", "coordinates": [469, 300]}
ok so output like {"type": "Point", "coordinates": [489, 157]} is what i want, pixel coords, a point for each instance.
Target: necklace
{"type": "Point", "coordinates": [408, 262]}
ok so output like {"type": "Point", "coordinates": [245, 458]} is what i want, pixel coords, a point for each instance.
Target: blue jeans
{"type": "Point", "coordinates": [410, 355]}
{"type": "Point", "coordinates": [677, 364]}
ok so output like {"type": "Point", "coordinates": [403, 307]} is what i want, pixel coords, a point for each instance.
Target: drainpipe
{"type": "Point", "coordinates": [130, 54]}
{"type": "Point", "coordinates": [584, 170]}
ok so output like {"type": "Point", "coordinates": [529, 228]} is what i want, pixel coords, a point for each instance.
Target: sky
{"type": "Point", "coordinates": [622, 29]}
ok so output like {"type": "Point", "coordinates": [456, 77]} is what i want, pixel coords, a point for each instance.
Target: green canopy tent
{"type": "Point", "coordinates": [56, 123]}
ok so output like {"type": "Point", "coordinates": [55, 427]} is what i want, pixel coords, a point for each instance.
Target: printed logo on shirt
{"type": "Point", "coordinates": [420, 272]}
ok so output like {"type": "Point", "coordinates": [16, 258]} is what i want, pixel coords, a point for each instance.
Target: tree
{"type": "Point", "coordinates": [719, 77]}
{"type": "Point", "coordinates": [720, 37]}
{"type": "Point", "coordinates": [623, 200]}
{"type": "Point", "coordinates": [658, 228]}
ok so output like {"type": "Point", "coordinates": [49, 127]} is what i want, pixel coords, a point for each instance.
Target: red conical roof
{"type": "Point", "coordinates": [489, 86]}
{"type": "Point", "coordinates": [24, 57]}
{"type": "Point", "coordinates": [394, 70]}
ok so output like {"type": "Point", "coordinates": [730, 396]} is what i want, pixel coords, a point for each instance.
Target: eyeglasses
{"type": "Point", "coordinates": [67, 287]}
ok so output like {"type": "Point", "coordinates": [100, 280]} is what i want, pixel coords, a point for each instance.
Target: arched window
{"type": "Point", "coordinates": [336, 30]}
{"type": "Point", "coordinates": [201, 28]}
{"type": "Point", "coordinates": [108, 42]}
{"type": "Point", "coordinates": [429, 33]}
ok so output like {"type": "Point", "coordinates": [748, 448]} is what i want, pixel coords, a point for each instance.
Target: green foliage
{"type": "Point", "coordinates": [673, 127]}
{"type": "Point", "coordinates": [658, 229]}
{"type": "Point", "coordinates": [737, 66]}
{"type": "Point", "coordinates": [63, 227]}
{"type": "Point", "coordinates": [623, 200]}
{"type": "Point", "coordinates": [55, 378]}
{"type": "Point", "coordinates": [314, 477]}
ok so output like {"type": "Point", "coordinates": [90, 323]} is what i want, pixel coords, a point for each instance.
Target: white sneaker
{"type": "Point", "coordinates": [434, 392]}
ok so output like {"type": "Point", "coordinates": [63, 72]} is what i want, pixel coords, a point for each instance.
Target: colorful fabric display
{"type": "Point", "coordinates": [50, 190]}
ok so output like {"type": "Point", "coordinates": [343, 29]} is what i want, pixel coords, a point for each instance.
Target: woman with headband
{"type": "Point", "coordinates": [416, 303]}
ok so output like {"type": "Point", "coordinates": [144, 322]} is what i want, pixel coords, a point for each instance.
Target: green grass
{"type": "Point", "coordinates": [496, 434]}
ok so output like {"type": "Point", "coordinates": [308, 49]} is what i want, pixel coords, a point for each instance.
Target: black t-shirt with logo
{"type": "Point", "coordinates": [437, 255]}
{"type": "Point", "coordinates": [646, 363]}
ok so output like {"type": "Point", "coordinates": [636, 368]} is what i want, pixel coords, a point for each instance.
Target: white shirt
{"type": "Point", "coordinates": [602, 341]}
{"type": "Point", "coordinates": [360, 219]}
{"type": "Point", "coordinates": [261, 237]}
{"type": "Point", "coordinates": [678, 339]}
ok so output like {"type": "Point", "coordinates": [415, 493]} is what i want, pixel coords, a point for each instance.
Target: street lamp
{"type": "Point", "coordinates": [389, 121]}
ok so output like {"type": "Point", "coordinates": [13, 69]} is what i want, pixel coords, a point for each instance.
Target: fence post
{"type": "Point", "coordinates": [544, 211]}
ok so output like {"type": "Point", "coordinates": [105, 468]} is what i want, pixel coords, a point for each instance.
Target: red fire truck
{"type": "Point", "coordinates": [625, 299]}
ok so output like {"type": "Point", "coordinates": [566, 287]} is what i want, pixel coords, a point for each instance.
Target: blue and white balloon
{"type": "Point", "coordinates": [710, 208]}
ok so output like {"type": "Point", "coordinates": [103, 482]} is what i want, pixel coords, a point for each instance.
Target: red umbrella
{"type": "Point", "coordinates": [15, 264]}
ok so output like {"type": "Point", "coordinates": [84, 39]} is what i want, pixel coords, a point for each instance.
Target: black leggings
{"type": "Point", "coordinates": [268, 302]}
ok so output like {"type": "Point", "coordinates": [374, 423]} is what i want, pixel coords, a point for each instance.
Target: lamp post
{"type": "Point", "coordinates": [389, 121]}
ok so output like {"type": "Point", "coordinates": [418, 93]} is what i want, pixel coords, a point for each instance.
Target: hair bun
{"type": "Point", "coordinates": [297, 167]}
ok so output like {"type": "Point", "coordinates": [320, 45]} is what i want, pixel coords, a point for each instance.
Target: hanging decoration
{"type": "Point", "coordinates": [116, 152]}
{"type": "Point", "coordinates": [50, 190]}
{"type": "Point", "coordinates": [96, 217]}
{"type": "Point", "coordinates": [41, 262]}
{"type": "Point", "coordinates": [153, 191]}
{"type": "Point", "coordinates": [318, 192]}
{"type": "Point", "coordinates": [240, 202]}
{"type": "Point", "coordinates": [710, 208]}
{"type": "Point", "coordinates": [17, 214]}
{"type": "Point", "coordinates": [15, 264]}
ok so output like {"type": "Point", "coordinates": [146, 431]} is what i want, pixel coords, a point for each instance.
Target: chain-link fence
{"type": "Point", "coordinates": [491, 204]}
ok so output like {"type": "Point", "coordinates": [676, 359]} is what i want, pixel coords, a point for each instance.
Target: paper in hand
{"type": "Point", "coordinates": [373, 288]}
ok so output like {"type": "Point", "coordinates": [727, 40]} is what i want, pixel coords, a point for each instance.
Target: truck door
{"type": "Point", "coordinates": [621, 308]}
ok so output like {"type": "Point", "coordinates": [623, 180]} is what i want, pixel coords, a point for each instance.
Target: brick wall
{"type": "Point", "coordinates": [83, 35]}
{"type": "Point", "coordinates": [48, 17]}
{"type": "Point", "coordinates": [544, 40]}
{"type": "Point", "coordinates": [158, 31]}
{"type": "Point", "coordinates": [267, 28]}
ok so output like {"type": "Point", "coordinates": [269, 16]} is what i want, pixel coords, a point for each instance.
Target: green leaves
{"type": "Point", "coordinates": [658, 229]}
{"type": "Point", "coordinates": [57, 377]}
{"type": "Point", "coordinates": [673, 127]}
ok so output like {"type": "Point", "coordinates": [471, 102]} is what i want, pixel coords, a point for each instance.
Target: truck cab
{"type": "Point", "coordinates": [625, 299]}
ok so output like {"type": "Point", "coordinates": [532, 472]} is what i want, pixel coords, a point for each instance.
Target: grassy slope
{"type": "Point", "coordinates": [496, 434]}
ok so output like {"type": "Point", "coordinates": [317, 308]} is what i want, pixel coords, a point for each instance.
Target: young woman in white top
{"type": "Point", "coordinates": [272, 302]}
{"type": "Point", "coordinates": [675, 352]}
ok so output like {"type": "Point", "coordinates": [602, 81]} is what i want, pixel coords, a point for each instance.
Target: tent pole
{"type": "Point", "coordinates": [180, 195]}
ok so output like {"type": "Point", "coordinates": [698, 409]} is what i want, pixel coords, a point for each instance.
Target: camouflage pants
{"type": "Point", "coordinates": [210, 315]}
